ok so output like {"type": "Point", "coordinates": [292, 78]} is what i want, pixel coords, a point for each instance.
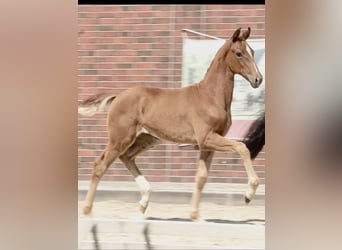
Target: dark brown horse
{"type": "Point", "coordinates": [255, 136]}
{"type": "Point", "coordinates": [140, 117]}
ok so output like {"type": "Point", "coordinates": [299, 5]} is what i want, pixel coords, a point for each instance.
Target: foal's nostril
{"type": "Point", "coordinates": [255, 81]}
{"type": "Point", "coordinates": [258, 80]}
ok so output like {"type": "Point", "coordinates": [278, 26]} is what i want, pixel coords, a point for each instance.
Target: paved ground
{"type": "Point", "coordinates": [229, 223]}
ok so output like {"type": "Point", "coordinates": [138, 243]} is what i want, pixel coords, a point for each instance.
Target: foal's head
{"type": "Point", "coordinates": [240, 58]}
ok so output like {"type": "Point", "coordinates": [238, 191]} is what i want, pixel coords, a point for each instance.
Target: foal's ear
{"type": "Point", "coordinates": [236, 34]}
{"type": "Point", "coordinates": [246, 34]}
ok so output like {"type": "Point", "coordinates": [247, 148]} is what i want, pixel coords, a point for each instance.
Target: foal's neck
{"type": "Point", "coordinates": [219, 83]}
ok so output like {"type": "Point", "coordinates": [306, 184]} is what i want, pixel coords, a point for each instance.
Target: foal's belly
{"type": "Point", "coordinates": [177, 135]}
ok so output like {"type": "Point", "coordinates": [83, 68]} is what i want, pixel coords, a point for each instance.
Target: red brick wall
{"type": "Point", "coordinates": [121, 46]}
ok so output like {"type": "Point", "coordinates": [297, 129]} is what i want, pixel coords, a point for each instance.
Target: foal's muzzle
{"type": "Point", "coordinates": [255, 81]}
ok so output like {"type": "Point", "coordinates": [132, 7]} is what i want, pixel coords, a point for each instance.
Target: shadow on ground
{"type": "Point", "coordinates": [249, 221]}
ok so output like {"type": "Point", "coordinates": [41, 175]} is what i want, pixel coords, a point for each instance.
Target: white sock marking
{"type": "Point", "coordinates": [145, 188]}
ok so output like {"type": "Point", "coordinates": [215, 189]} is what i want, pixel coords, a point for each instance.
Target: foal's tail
{"type": "Point", "coordinates": [96, 103]}
{"type": "Point", "coordinates": [255, 136]}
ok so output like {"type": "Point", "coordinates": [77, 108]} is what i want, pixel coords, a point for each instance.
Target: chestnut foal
{"type": "Point", "coordinates": [138, 118]}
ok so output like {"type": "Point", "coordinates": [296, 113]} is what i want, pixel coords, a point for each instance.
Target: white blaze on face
{"type": "Point", "coordinates": [249, 51]}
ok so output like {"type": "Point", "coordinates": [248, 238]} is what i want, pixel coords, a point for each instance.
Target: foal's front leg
{"type": "Point", "coordinates": [201, 178]}
{"type": "Point", "coordinates": [216, 142]}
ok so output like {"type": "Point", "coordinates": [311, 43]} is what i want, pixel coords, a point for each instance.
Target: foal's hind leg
{"type": "Point", "coordinates": [100, 166]}
{"type": "Point", "coordinates": [120, 138]}
{"type": "Point", "coordinates": [201, 178]}
{"type": "Point", "coordinates": [141, 144]}
{"type": "Point", "coordinates": [145, 187]}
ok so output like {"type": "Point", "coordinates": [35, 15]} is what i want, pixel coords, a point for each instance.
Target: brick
{"type": "Point", "coordinates": [161, 8]}
{"type": "Point", "coordinates": [87, 21]}
{"type": "Point", "coordinates": [112, 8]}
{"type": "Point", "coordinates": [105, 15]}
{"type": "Point", "coordinates": [189, 7]}
{"type": "Point", "coordinates": [214, 7]}
{"type": "Point", "coordinates": [87, 15]}
{"type": "Point", "coordinates": [139, 8]}
{"type": "Point", "coordinates": [90, 8]}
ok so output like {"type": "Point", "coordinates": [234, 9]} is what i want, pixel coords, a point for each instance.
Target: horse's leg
{"type": "Point", "coordinates": [120, 138]}
{"type": "Point", "coordinates": [201, 178]}
{"type": "Point", "coordinates": [216, 142]}
{"type": "Point", "coordinates": [102, 163]}
{"type": "Point", "coordinates": [141, 144]}
{"type": "Point", "coordinates": [145, 187]}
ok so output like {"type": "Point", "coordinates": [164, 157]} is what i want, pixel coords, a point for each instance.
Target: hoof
{"type": "Point", "coordinates": [247, 200]}
{"type": "Point", "coordinates": [142, 209]}
{"type": "Point", "coordinates": [194, 216]}
{"type": "Point", "coordinates": [86, 210]}
{"type": "Point", "coordinates": [198, 219]}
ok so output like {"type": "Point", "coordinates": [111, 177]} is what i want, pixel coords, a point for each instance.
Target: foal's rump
{"type": "Point", "coordinates": [101, 101]}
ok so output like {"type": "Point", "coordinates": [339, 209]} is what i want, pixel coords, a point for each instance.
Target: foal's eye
{"type": "Point", "coordinates": [238, 54]}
